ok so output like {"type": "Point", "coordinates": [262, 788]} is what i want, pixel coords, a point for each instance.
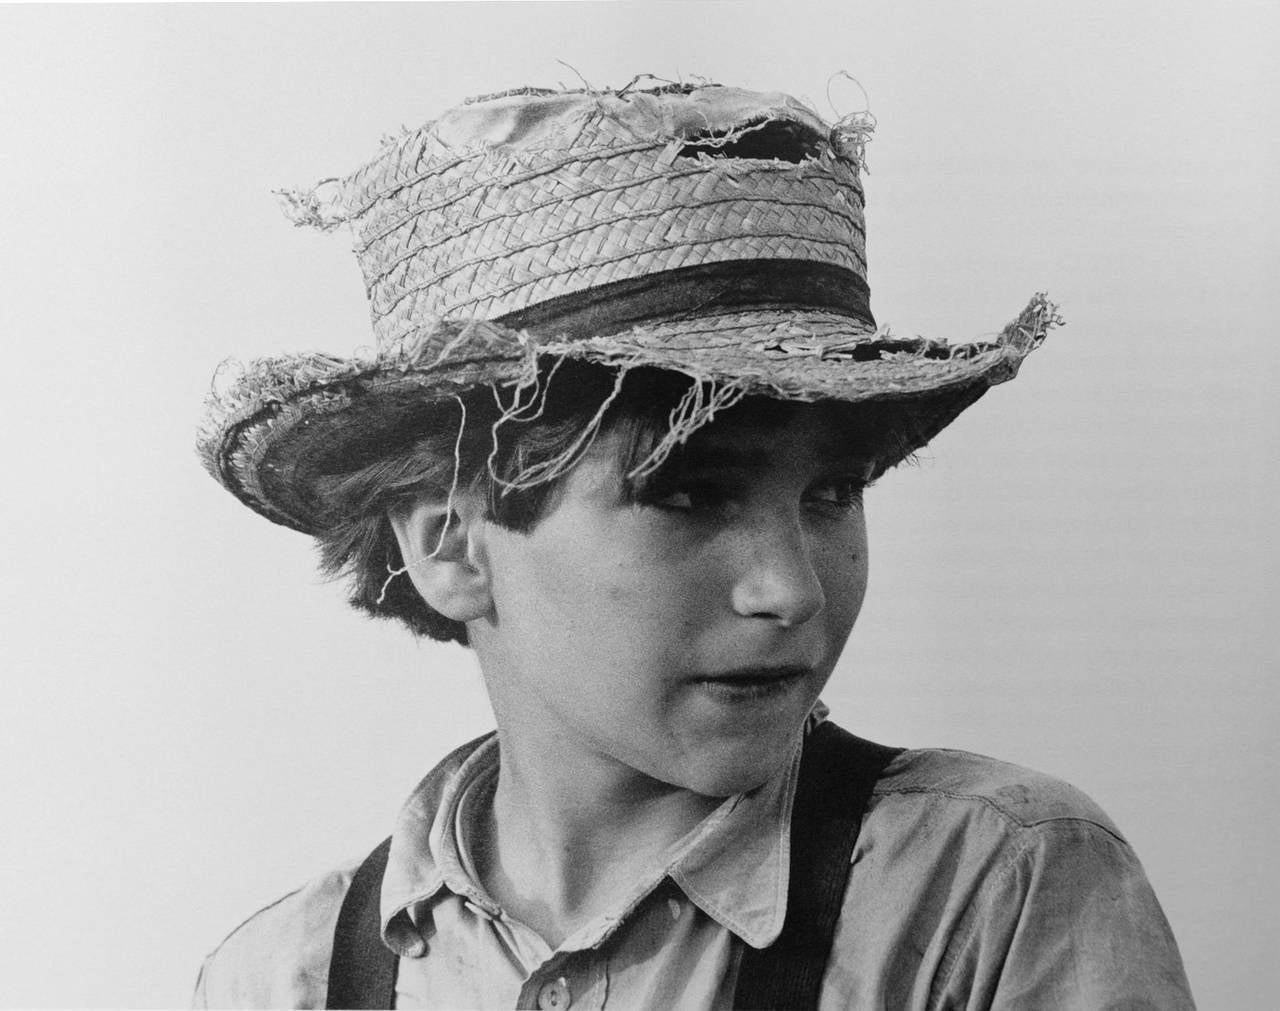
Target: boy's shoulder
{"type": "Point", "coordinates": [968, 784]}
{"type": "Point", "coordinates": [279, 956]}
{"type": "Point", "coordinates": [983, 837]}
{"type": "Point", "coordinates": [1003, 878]}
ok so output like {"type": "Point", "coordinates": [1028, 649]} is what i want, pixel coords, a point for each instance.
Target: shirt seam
{"type": "Point", "coordinates": [1001, 810]}
{"type": "Point", "coordinates": [253, 916]}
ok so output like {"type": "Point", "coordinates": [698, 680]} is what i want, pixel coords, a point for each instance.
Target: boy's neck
{"type": "Point", "coordinates": [565, 839]}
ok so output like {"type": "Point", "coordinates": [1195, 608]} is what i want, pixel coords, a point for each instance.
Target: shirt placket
{"type": "Point", "coordinates": [573, 980]}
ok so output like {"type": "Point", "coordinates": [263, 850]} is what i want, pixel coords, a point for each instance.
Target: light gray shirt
{"type": "Point", "coordinates": [974, 884]}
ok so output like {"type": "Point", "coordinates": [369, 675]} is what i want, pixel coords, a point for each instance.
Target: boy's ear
{"type": "Point", "coordinates": [439, 550]}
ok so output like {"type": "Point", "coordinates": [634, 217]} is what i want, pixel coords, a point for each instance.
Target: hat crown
{"type": "Point", "coordinates": [509, 202]}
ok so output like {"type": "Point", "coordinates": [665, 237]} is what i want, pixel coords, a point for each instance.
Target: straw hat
{"type": "Point", "coordinates": [704, 229]}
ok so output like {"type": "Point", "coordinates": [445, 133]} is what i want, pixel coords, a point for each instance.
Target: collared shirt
{"type": "Point", "coordinates": [974, 884]}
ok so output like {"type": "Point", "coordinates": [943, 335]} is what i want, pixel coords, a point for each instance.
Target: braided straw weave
{"type": "Point", "coordinates": [505, 204]}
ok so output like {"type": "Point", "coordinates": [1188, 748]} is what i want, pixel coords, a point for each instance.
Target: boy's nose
{"type": "Point", "coordinates": [778, 580]}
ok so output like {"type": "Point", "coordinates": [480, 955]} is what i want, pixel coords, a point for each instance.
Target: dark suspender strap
{"type": "Point", "coordinates": [837, 774]}
{"type": "Point", "coordinates": [362, 970]}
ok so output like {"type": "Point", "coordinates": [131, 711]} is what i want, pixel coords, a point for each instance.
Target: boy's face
{"type": "Point", "coordinates": [686, 636]}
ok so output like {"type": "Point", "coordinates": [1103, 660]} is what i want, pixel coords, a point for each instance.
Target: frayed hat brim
{"type": "Point", "coordinates": [273, 426]}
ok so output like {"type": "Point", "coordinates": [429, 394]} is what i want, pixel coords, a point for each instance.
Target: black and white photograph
{"type": "Point", "coordinates": [640, 505]}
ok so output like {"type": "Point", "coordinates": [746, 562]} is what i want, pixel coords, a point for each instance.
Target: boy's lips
{"type": "Point", "coordinates": [760, 675]}
{"type": "Point", "coordinates": [744, 683]}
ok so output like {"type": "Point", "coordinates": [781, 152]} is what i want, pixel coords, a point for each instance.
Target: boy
{"type": "Point", "coordinates": [626, 398]}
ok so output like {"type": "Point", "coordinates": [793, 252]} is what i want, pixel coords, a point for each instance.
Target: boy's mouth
{"type": "Point", "coordinates": [754, 682]}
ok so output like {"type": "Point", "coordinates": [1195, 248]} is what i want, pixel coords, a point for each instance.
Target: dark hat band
{"type": "Point", "coordinates": [693, 291]}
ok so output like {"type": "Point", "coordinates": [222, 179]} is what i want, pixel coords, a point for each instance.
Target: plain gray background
{"type": "Point", "coordinates": [1081, 577]}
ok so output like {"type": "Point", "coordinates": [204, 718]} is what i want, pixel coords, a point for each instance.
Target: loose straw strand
{"type": "Point", "coordinates": [448, 516]}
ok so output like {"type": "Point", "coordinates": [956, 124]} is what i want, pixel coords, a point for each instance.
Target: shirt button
{"type": "Point", "coordinates": [555, 996]}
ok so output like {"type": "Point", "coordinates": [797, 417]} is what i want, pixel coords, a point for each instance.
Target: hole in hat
{"type": "Point", "coordinates": [784, 140]}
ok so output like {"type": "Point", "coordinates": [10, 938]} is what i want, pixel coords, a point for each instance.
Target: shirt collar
{"type": "Point", "coordinates": [737, 864]}
{"type": "Point", "coordinates": [734, 865]}
{"type": "Point", "coordinates": [414, 875]}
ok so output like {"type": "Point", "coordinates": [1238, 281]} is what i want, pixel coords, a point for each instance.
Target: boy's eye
{"type": "Point", "coordinates": [689, 496]}
{"type": "Point", "coordinates": [838, 493]}
{"type": "Point", "coordinates": [833, 494]}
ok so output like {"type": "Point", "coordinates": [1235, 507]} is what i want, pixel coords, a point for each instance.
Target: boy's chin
{"type": "Point", "coordinates": [730, 771]}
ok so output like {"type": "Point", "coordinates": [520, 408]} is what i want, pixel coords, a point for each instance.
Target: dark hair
{"type": "Point", "coordinates": [516, 462]}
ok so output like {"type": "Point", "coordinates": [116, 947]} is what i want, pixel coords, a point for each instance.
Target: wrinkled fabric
{"type": "Point", "coordinates": [974, 884]}
{"type": "Point", "coordinates": [552, 122]}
